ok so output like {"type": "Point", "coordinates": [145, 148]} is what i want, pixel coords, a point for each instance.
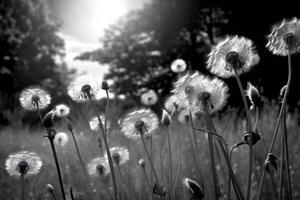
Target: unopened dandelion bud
{"type": "Point", "coordinates": [49, 188]}
{"type": "Point", "coordinates": [142, 163]}
{"type": "Point", "coordinates": [282, 91]}
{"type": "Point", "coordinates": [48, 120]}
{"type": "Point", "coordinates": [104, 85]}
{"type": "Point", "coordinates": [196, 191]}
{"type": "Point", "coordinates": [166, 119]}
{"type": "Point", "coordinates": [271, 162]}
{"type": "Point", "coordinates": [254, 96]}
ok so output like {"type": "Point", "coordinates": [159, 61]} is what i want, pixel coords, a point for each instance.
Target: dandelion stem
{"type": "Point", "coordinates": [179, 161]}
{"type": "Point", "coordinates": [170, 160]}
{"type": "Point", "coordinates": [53, 195]}
{"type": "Point", "coordinates": [57, 165]}
{"type": "Point", "coordinates": [77, 149]}
{"type": "Point", "coordinates": [121, 181]}
{"type": "Point", "coordinates": [149, 158]}
{"type": "Point", "coordinates": [287, 162]}
{"type": "Point", "coordinates": [282, 108]}
{"type": "Point", "coordinates": [71, 193]}
{"type": "Point", "coordinates": [104, 136]}
{"type": "Point", "coordinates": [211, 127]}
{"type": "Point", "coordinates": [22, 186]}
{"type": "Point", "coordinates": [281, 167]}
{"type": "Point", "coordinates": [249, 130]}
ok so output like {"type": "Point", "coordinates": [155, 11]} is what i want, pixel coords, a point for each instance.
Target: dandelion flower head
{"type": "Point", "coordinates": [62, 110]}
{"type": "Point", "coordinates": [34, 98]}
{"type": "Point", "coordinates": [85, 87]}
{"type": "Point", "coordinates": [120, 155]}
{"type": "Point", "coordinates": [23, 162]}
{"type": "Point", "coordinates": [61, 139]}
{"type": "Point", "coordinates": [98, 167]}
{"type": "Point", "coordinates": [178, 65]}
{"type": "Point", "coordinates": [285, 37]}
{"type": "Point", "coordinates": [233, 53]}
{"type": "Point", "coordinates": [140, 122]}
{"type": "Point", "coordinates": [149, 98]}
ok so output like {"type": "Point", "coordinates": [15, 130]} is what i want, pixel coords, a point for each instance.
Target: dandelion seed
{"type": "Point", "coordinates": [285, 37]}
{"type": "Point", "coordinates": [62, 110]}
{"type": "Point", "coordinates": [98, 167]}
{"type": "Point", "coordinates": [34, 98]}
{"type": "Point", "coordinates": [120, 155]}
{"type": "Point", "coordinates": [149, 98]}
{"type": "Point", "coordinates": [236, 53]}
{"type": "Point", "coordinates": [61, 139]}
{"type": "Point", "coordinates": [95, 124]}
{"type": "Point", "coordinates": [178, 65]}
{"type": "Point", "coordinates": [85, 87]}
{"type": "Point", "coordinates": [140, 122]}
{"type": "Point", "coordinates": [203, 93]}
{"type": "Point", "coordinates": [23, 162]}
{"type": "Point", "coordinates": [197, 192]}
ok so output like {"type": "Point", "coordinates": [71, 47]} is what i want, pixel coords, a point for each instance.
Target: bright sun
{"type": "Point", "coordinates": [102, 13]}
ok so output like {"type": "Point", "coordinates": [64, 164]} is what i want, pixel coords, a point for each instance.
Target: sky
{"type": "Point", "coordinates": [84, 22]}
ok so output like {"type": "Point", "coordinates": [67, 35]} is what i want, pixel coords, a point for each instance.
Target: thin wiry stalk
{"type": "Point", "coordinates": [121, 181]}
{"type": "Point", "coordinates": [256, 118]}
{"type": "Point", "coordinates": [106, 111]}
{"type": "Point", "coordinates": [211, 128]}
{"type": "Point", "coordinates": [287, 162]}
{"type": "Point", "coordinates": [149, 158]}
{"type": "Point", "coordinates": [71, 193]}
{"type": "Point", "coordinates": [22, 186]}
{"type": "Point", "coordinates": [104, 136]}
{"type": "Point", "coordinates": [53, 195]}
{"type": "Point", "coordinates": [193, 131]}
{"type": "Point", "coordinates": [78, 153]}
{"type": "Point", "coordinates": [57, 167]}
{"type": "Point", "coordinates": [229, 177]}
{"type": "Point", "coordinates": [179, 161]}
{"type": "Point", "coordinates": [282, 108]}
{"type": "Point", "coordinates": [249, 130]}
{"type": "Point", "coordinates": [39, 112]}
{"type": "Point", "coordinates": [281, 166]}
{"type": "Point", "coordinates": [170, 160]}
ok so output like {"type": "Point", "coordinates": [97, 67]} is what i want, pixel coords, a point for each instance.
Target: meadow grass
{"type": "Point", "coordinates": [230, 125]}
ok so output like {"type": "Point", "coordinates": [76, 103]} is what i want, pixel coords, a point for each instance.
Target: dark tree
{"type": "Point", "coordinates": [140, 48]}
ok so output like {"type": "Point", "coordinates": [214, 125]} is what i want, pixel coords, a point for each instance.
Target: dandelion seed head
{"type": "Point", "coordinates": [232, 52]}
{"type": "Point", "coordinates": [184, 116]}
{"type": "Point", "coordinates": [32, 97]}
{"type": "Point", "coordinates": [62, 110]}
{"type": "Point", "coordinates": [285, 37]}
{"type": "Point", "coordinates": [120, 155]}
{"type": "Point", "coordinates": [178, 65]}
{"type": "Point", "coordinates": [98, 167]}
{"type": "Point", "coordinates": [23, 162]}
{"type": "Point", "coordinates": [203, 93]}
{"type": "Point", "coordinates": [85, 87]}
{"type": "Point", "coordinates": [140, 122]}
{"type": "Point", "coordinates": [61, 139]}
{"type": "Point", "coordinates": [174, 103]}
{"type": "Point", "coordinates": [149, 98]}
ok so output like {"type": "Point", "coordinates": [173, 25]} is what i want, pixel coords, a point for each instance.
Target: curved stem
{"type": "Point", "coordinates": [103, 132]}
{"type": "Point", "coordinates": [211, 127]}
{"type": "Point", "coordinates": [287, 162]}
{"type": "Point", "coordinates": [53, 195]}
{"type": "Point", "coordinates": [281, 167]}
{"type": "Point", "coordinates": [77, 150]}
{"type": "Point", "coordinates": [106, 110]}
{"type": "Point", "coordinates": [149, 158]}
{"type": "Point", "coordinates": [57, 168]}
{"type": "Point", "coordinates": [249, 130]}
{"type": "Point", "coordinates": [284, 100]}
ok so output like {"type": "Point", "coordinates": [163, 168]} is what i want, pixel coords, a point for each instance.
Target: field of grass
{"type": "Point", "coordinates": [131, 178]}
